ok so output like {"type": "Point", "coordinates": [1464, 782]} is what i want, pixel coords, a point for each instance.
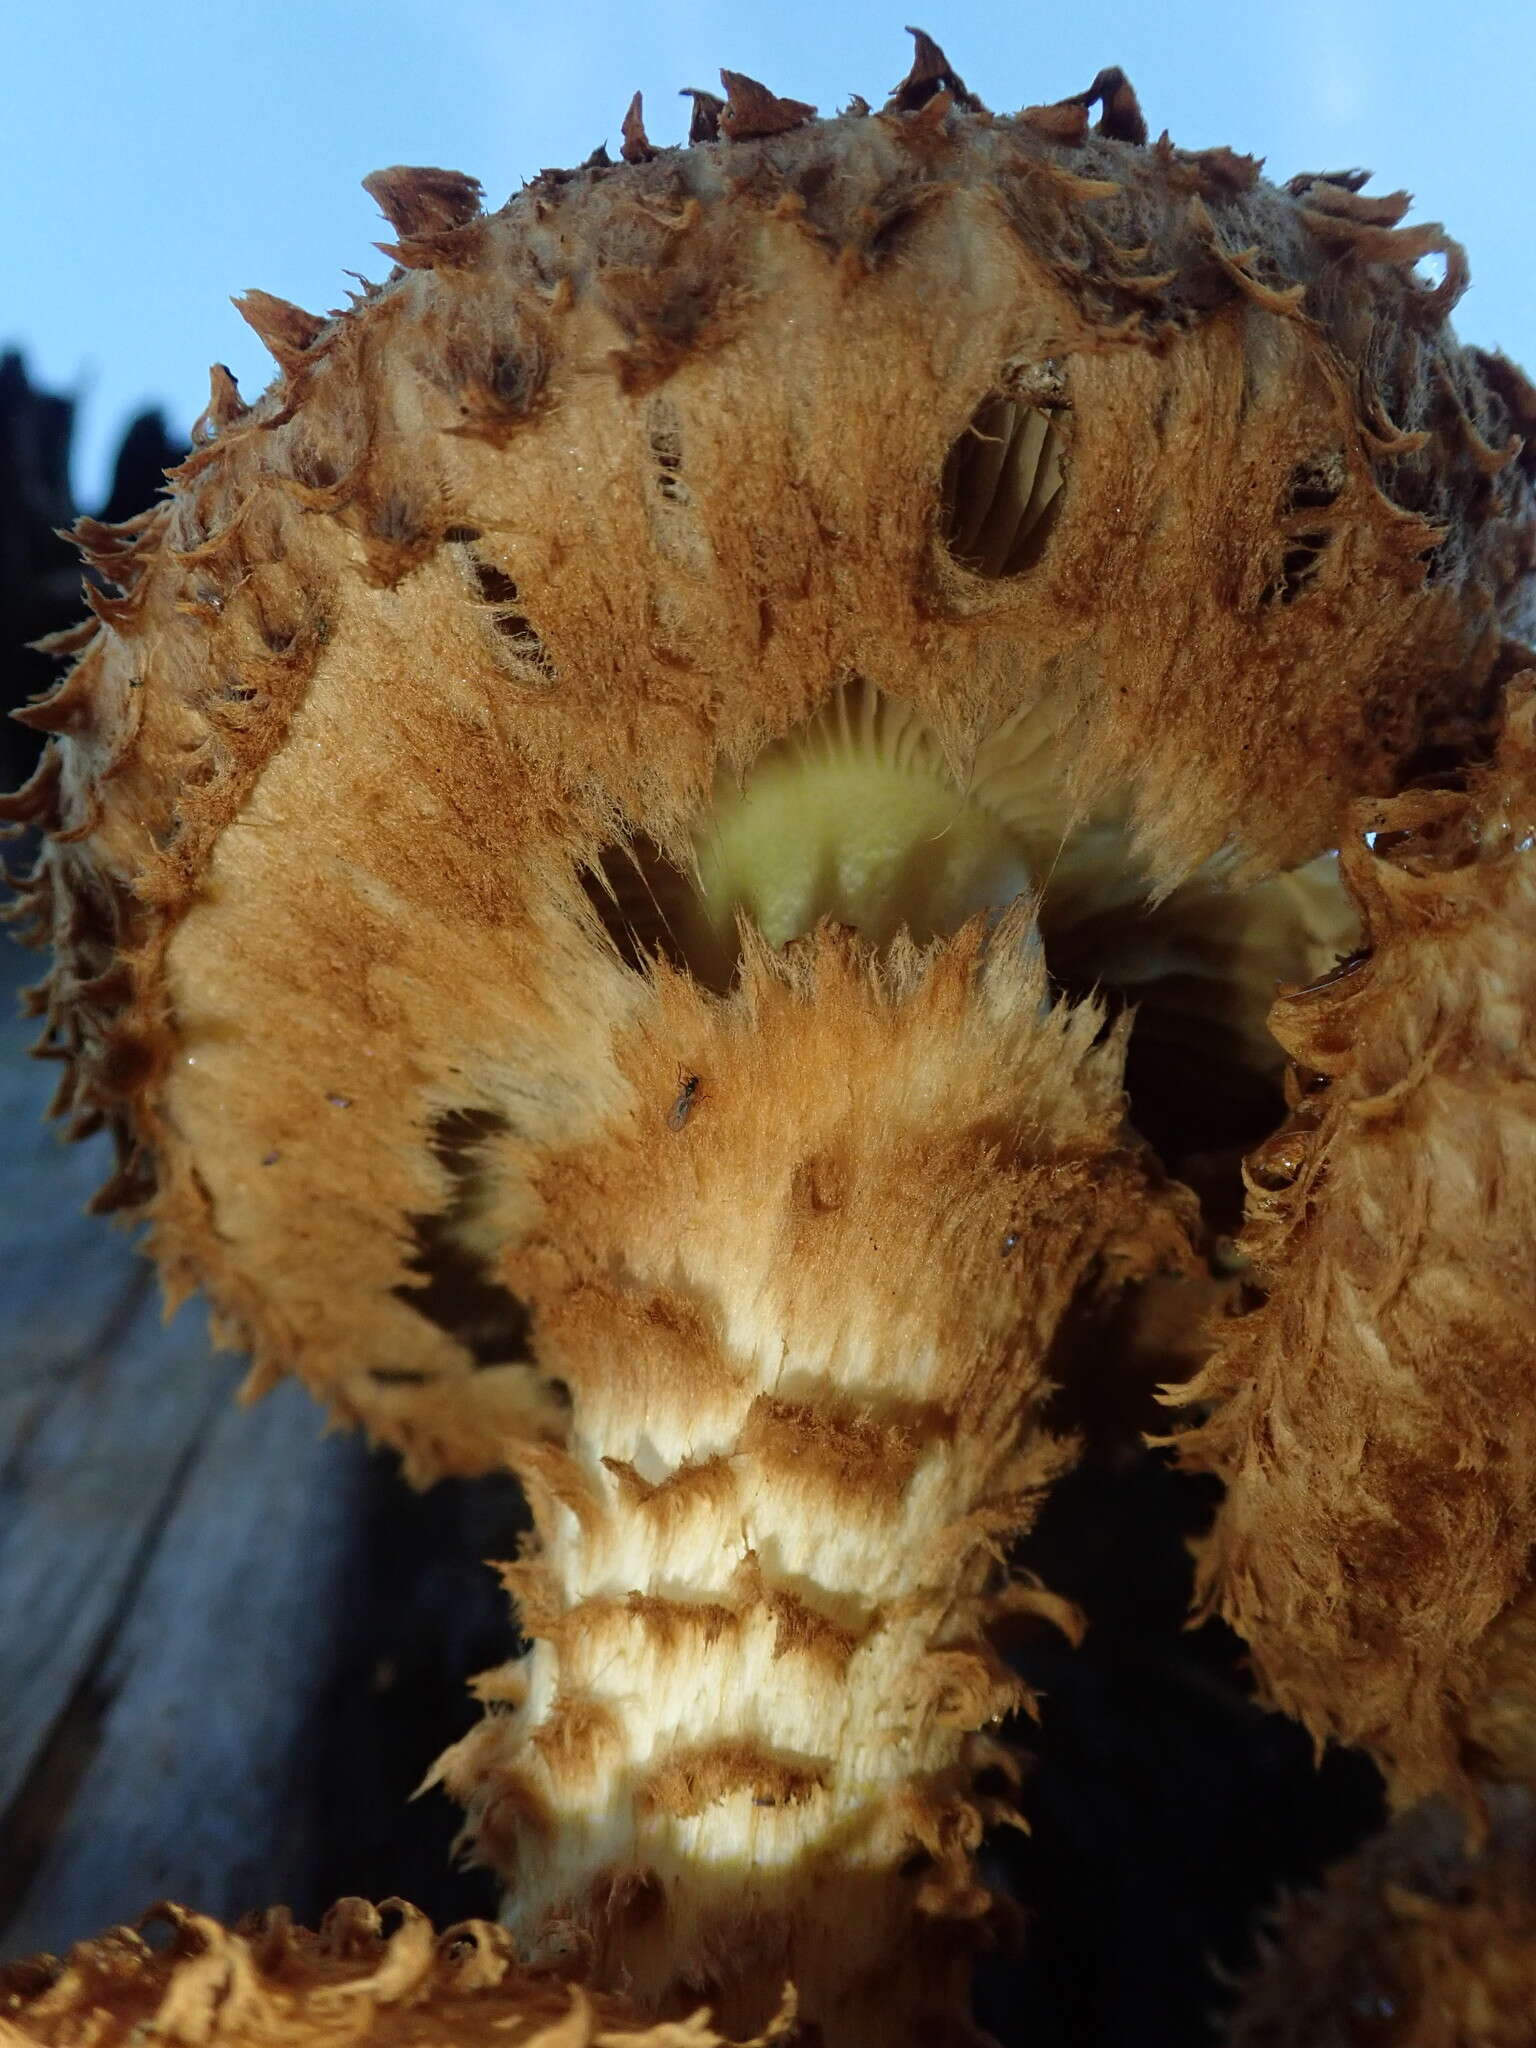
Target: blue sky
{"type": "Point", "coordinates": [160, 156]}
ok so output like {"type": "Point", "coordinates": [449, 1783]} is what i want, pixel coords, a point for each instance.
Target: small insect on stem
{"type": "Point", "coordinates": [687, 1094]}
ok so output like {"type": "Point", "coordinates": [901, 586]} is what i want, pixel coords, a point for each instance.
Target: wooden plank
{"type": "Point", "coordinates": [103, 1413]}
{"type": "Point", "coordinates": [25, 1085]}
{"type": "Point", "coordinates": [66, 1280]}
{"type": "Point", "coordinates": [188, 1768]}
{"type": "Point", "coordinates": [98, 1409]}
{"type": "Point", "coordinates": [84, 1497]}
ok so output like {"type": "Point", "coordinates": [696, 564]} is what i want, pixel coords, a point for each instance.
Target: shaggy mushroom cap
{"type": "Point", "coordinates": [613, 806]}
{"type": "Point", "coordinates": [878, 518]}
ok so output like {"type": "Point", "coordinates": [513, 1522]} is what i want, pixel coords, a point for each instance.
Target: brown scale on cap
{"type": "Point", "coordinates": [793, 613]}
{"type": "Point", "coordinates": [752, 111]}
{"type": "Point", "coordinates": [931, 75]}
{"type": "Point", "coordinates": [637, 148]}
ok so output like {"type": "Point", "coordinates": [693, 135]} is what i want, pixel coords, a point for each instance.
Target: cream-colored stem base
{"type": "Point", "coordinates": [804, 1290]}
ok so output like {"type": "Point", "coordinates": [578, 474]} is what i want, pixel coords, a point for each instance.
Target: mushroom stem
{"type": "Point", "coordinates": [806, 1291]}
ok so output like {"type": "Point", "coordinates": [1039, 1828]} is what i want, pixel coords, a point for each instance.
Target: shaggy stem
{"type": "Point", "coordinates": [805, 1307]}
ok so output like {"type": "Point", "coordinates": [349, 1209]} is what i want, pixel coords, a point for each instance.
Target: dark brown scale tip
{"type": "Point", "coordinates": [225, 406]}
{"type": "Point", "coordinates": [707, 109]}
{"type": "Point", "coordinates": [417, 200]}
{"type": "Point", "coordinates": [857, 106]}
{"type": "Point", "coordinates": [120, 613]}
{"type": "Point", "coordinates": [1120, 118]}
{"type": "Point", "coordinates": [285, 329]}
{"type": "Point", "coordinates": [130, 1187]}
{"type": "Point", "coordinates": [447, 249]}
{"type": "Point", "coordinates": [931, 73]}
{"type": "Point", "coordinates": [599, 160]}
{"type": "Point", "coordinates": [637, 144]}
{"type": "Point", "coordinates": [1348, 181]}
{"type": "Point", "coordinates": [751, 110]}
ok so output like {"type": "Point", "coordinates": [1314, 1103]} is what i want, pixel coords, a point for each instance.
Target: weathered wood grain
{"type": "Point", "coordinates": [65, 1281]}
{"type": "Point", "coordinates": [90, 1483]}
{"type": "Point", "coordinates": [198, 1721]}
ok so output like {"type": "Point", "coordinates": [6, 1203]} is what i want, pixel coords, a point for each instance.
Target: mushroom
{"type": "Point", "coordinates": [614, 846]}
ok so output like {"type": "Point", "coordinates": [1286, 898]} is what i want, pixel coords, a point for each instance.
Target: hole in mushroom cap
{"type": "Point", "coordinates": [677, 533]}
{"type": "Point", "coordinates": [1297, 569]}
{"type": "Point", "coordinates": [501, 594]}
{"type": "Point", "coordinates": [1313, 485]}
{"type": "Point", "coordinates": [1316, 482]}
{"type": "Point", "coordinates": [666, 442]}
{"type": "Point", "coordinates": [497, 591]}
{"type": "Point", "coordinates": [1002, 488]}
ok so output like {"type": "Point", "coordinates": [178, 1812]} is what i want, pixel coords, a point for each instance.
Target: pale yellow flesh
{"type": "Point", "coordinates": [857, 837]}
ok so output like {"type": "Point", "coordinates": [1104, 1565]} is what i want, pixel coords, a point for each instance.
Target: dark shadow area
{"type": "Point", "coordinates": [430, 1616]}
{"type": "Point", "coordinates": [1166, 1809]}
{"type": "Point", "coordinates": [456, 1290]}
